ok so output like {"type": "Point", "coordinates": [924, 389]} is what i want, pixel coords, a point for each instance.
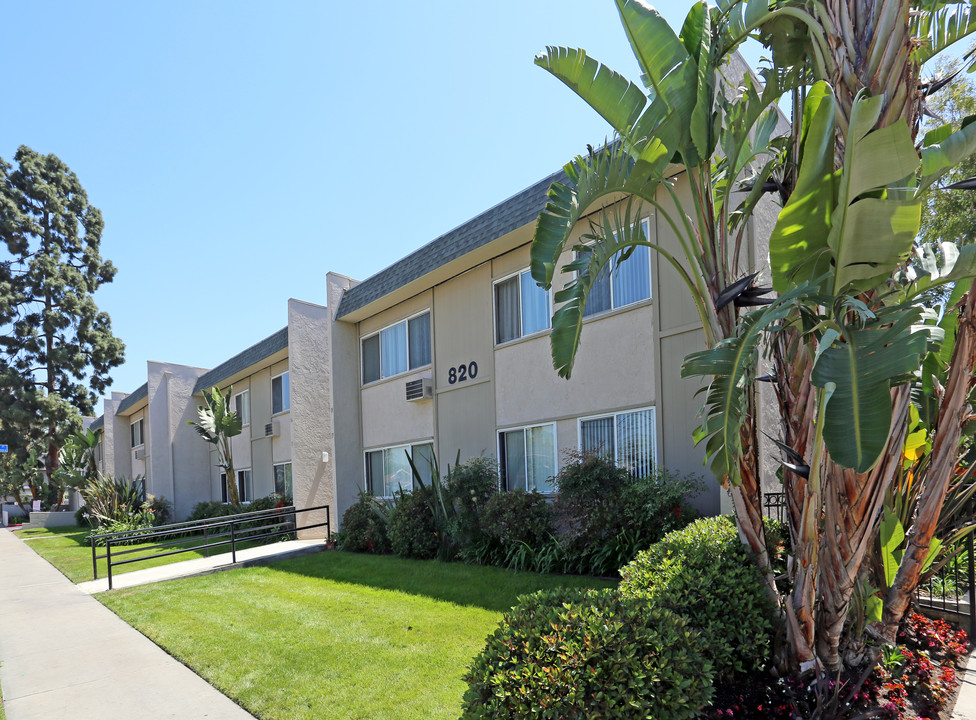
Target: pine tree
{"type": "Point", "coordinates": [57, 347]}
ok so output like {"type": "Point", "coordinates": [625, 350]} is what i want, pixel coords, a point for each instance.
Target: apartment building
{"type": "Point", "coordinates": [447, 350]}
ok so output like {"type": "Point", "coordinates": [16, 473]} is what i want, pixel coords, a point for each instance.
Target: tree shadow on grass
{"type": "Point", "coordinates": [490, 588]}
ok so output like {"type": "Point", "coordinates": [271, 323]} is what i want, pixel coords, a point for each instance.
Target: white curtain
{"type": "Point", "coordinates": [635, 442]}
{"type": "Point", "coordinates": [632, 278]}
{"type": "Point", "coordinates": [535, 305]}
{"type": "Point", "coordinates": [393, 346]}
{"type": "Point", "coordinates": [540, 455]}
{"type": "Point", "coordinates": [596, 436]}
{"type": "Point", "coordinates": [513, 454]}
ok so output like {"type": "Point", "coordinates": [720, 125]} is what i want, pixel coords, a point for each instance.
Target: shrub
{"type": "Point", "coordinates": [160, 508]}
{"type": "Point", "coordinates": [572, 654]}
{"type": "Point", "coordinates": [470, 486]}
{"type": "Point", "coordinates": [207, 510]}
{"type": "Point", "coordinates": [515, 527]}
{"type": "Point", "coordinates": [363, 529]}
{"type": "Point", "coordinates": [606, 516]}
{"type": "Point", "coordinates": [412, 531]}
{"type": "Point", "coordinates": [113, 498]}
{"type": "Point", "coordinates": [705, 575]}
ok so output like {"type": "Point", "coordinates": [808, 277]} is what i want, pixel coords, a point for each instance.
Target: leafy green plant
{"type": "Point", "coordinates": [572, 654]}
{"type": "Point", "coordinates": [217, 423]}
{"type": "Point", "coordinates": [114, 498]}
{"type": "Point", "coordinates": [363, 529]}
{"type": "Point", "coordinates": [510, 521]}
{"type": "Point", "coordinates": [704, 574]}
{"type": "Point", "coordinates": [412, 529]}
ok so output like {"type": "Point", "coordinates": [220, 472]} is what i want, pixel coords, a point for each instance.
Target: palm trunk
{"type": "Point", "coordinates": [852, 515]}
{"type": "Point", "coordinates": [953, 414]}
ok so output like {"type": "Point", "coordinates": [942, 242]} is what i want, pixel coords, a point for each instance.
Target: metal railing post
{"type": "Point", "coordinates": [206, 540]}
{"type": "Point", "coordinates": [108, 559]}
{"type": "Point", "coordinates": [94, 560]}
{"type": "Point", "coordinates": [972, 587]}
{"type": "Point", "coordinates": [233, 544]}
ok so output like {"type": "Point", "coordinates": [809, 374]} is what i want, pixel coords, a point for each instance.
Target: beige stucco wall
{"type": "Point", "coordinates": [344, 396]}
{"type": "Point", "coordinates": [310, 422]}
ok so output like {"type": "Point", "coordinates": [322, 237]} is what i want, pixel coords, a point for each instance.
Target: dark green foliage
{"type": "Point", "coordinates": [514, 526]}
{"type": "Point", "coordinates": [572, 654]}
{"type": "Point", "coordinates": [114, 499]}
{"type": "Point", "coordinates": [470, 486]}
{"type": "Point", "coordinates": [160, 508]}
{"type": "Point", "coordinates": [83, 517]}
{"type": "Point", "coordinates": [363, 529]}
{"type": "Point", "coordinates": [57, 348]}
{"type": "Point", "coordinates": [212, 509]}
{"type": "Point", "coordinates": [606, 516]}
{"type": "Point", "coordinates": [704, 574]}
{"type": "Point", "coordinates": [412, 531]}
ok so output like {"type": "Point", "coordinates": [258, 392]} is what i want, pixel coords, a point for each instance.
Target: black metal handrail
{"type": "Point", "coordinates": [227, 527]}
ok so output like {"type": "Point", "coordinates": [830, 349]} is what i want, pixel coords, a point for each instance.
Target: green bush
{"type": "Point", "coordinates": [160, 508]}
{"type": "Point", "coordinates": [515, 526]}
{"type": "Point", "coordinates": [207, 510]}
{"type": "Point", "coordinates": [83, 517]}
{"type": "Point", "coordinates": [705, 575]}
{"type": "Point", "coordinates": [363, 529]}
{"type": "Point", "coordinates": [605, 516]}
{"type": "Point", "coordinates": [470, 486]}
{"type": "Point", "coordinates": [572, 654]}
{"type": "Point", "coordinates": [412, 531]}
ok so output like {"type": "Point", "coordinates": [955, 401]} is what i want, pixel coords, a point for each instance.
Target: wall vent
{"type": "Point", "coordinates": [141, 453]}
{"type": "Point", "coordinates": [272, 429]}
{"type": "Point", "coordinates": [420, 389]}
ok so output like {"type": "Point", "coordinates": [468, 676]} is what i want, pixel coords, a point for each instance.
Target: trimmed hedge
{"type": "Point", "coordinates": [363, 529]}
{"type": "Point", "coordinates": [704, 574]}
{"type": "Point", "coordinates": [573, 654]}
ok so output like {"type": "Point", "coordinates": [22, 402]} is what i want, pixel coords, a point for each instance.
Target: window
{"type": "Point", "coordinates": [528, 458]}
{"type": "Point", "coordinates": [242, 406]}
{"type": "Point", "coordinates": [388, 470]}
{"type": "Point", "coordinates": [280, 396]}
{"type": "Point", "coordinates": [521, 307]}
{"type": "Point", "coordinates": [627, 437]}
{"type": "Point", "coordinates": [98, 452]}
{"type": "Point", "coordinates": [282, 479]}
{"type": "Point", "coordinates": [136, 437]}
{"type": "Point", "coordinates": [397, 349]}
{"type": "Point", "coordinates": [622, 283]}
{"type": "Point", "coordinates": [243, 486]}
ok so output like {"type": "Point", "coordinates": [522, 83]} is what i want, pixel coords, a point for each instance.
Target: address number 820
{"type": "Point", "coordinates": [462, 372]}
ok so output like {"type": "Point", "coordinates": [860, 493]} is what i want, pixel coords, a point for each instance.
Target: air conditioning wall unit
{"type": "Point", "coordinates": [141, 453]}
{"type": "Point", "coordinates": [420, 389]}
{"type": "Point", "coordinates": [272, 429]}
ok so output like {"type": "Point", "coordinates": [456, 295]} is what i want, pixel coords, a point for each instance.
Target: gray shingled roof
{"type": "Point", "coordinates": [500, 220]}
{"type": "Point", "coordinates": [99, 423]}
{"type": "Point", "coordinates": [243, 360]}
{"type": "Point", "coordinates": [131, 399]}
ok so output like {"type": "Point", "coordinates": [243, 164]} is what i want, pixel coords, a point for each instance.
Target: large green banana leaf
{"type": "Point", "coordinates": [941, 25]}
{"type": "Point", "coordinates": [618, 100]}
{"type": "Point", "coordinates": [863, 363]}
{"type": "Point", "coordinates": [730, 363]}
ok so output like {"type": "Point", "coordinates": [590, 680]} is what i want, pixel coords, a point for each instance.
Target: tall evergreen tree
{"type": "Point", "coordinates": [57, 347]}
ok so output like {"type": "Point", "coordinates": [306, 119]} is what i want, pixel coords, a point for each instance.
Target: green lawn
{"type": "Point", "coordinates": [333, 635]}
{"type": "Point", "coordinates": [68, 549]}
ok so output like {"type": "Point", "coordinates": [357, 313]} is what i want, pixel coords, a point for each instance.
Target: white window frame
{"type": "Point", "coordinates": [142, 434]}
{"type": "Point", "coordinates": [246, 405]}
{"type": "Point", "coordinates": [616, 435]}
{"type": "Point", "coordinates": [285, 397]}
{"type": "Point", "coordinates": [222, 478]}
{"type": "Point", "coordinates": [398, 446]}
{"type": "Point", "coordinates": [494, 308]}
{"type": "Point", "coordinates": [406, 323]}
{"type": "Point", "coordinates": [555, 454]}
{"type": "Point", "coordinates": [274, 478]}
{"type": "Point", "coordinates": [650, 278]}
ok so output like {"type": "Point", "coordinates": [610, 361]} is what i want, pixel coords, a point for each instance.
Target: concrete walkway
{"type": "Point", "coordinates": [204, 566]}
{"type": "Point", "coordinates": [64, 655]}
{"type": "Point", "coordinates": [966, 703]}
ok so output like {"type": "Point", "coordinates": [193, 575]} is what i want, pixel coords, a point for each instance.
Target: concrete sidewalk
{"type": "Point", "coordinates": [966, 703]}
{"type": "Point", "coordinates": [65, 655]}
{"type": "Point", "coordinates": [205, 566]}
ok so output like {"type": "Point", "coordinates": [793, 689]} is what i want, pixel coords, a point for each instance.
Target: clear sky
{"type": "Point", "coordinates": [240, 150]}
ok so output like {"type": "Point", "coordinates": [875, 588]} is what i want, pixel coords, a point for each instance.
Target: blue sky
{"type": "Point", "coordinates": [240, 150]}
